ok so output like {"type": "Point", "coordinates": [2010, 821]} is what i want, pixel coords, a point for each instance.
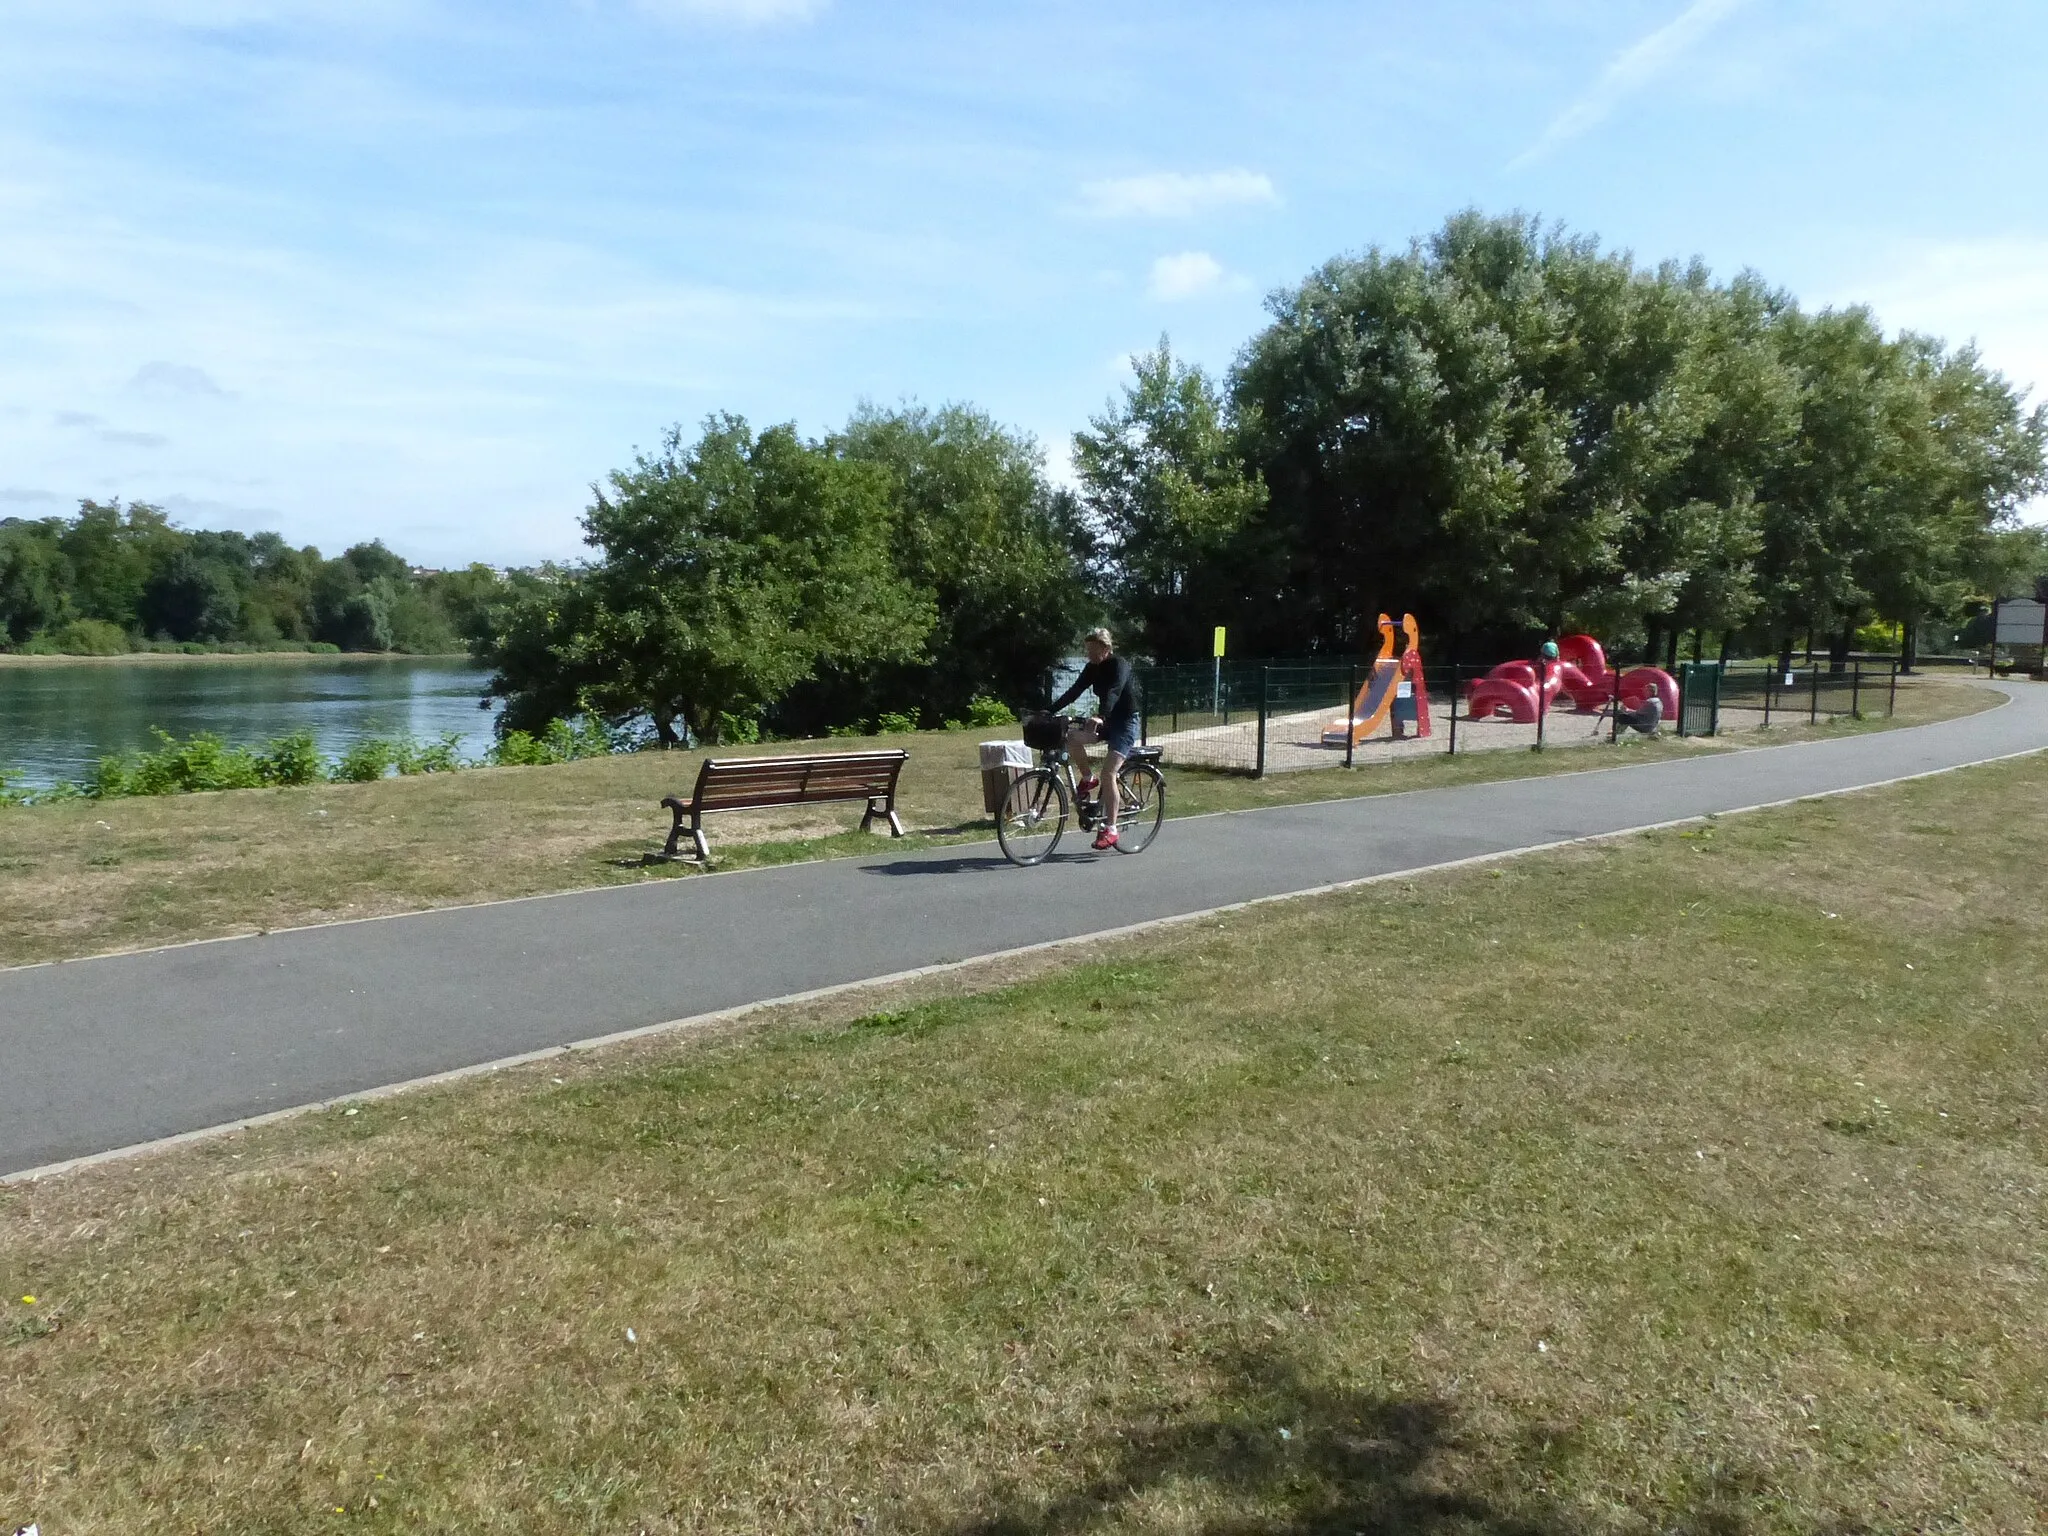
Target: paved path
{"type": "Point", "coordinates": [100, 1054]}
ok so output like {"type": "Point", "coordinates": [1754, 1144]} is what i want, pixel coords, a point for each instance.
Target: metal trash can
{"type": "Point", "coordinates": [1001, 763]}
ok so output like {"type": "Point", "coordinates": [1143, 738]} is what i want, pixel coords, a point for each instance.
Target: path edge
{"type": "Point", "coordinates": [699, 1021]}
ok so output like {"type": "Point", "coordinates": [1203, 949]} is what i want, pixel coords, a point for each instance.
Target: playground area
{"type": "Point", "coordinates": [1294, 716]}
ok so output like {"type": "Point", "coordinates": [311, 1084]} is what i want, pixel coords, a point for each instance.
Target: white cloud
{"type": "Point", "coordinates": [1175, 194]}
{"type": "Point", "coordinates": [1188, 275]}
{"type": "Point", "coordinates": [1633, 70]}
{"type": "Point", "coordinates": [745, 13]}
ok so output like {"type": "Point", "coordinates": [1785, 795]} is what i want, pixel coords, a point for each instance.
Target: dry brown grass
{"type": "Point", "coordinates": [1691, 1182]}
{"type": "Point", "coordinates": [87, 877]}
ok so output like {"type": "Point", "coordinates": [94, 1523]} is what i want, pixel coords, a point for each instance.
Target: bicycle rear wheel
{"type": "Point", "coordinates": [1033, 816]}
{"type": "Point", "coordinates": [1141, 806]}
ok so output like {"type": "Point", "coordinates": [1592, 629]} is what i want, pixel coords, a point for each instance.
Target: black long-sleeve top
{"type": "Point", "coordinates": [1116, 690]}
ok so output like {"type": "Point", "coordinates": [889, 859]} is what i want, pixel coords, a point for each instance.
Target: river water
{"type": "Point", "coordinates": [56, 721]}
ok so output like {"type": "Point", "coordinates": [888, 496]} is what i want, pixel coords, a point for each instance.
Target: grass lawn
{"type": "Point", "coordinates": [1692, 1182]}
{"type": "Point", "coordinates": [87, 877]}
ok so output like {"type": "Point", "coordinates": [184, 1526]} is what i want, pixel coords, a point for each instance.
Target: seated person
{"type": "Point", "coordinates": [1645, 719]}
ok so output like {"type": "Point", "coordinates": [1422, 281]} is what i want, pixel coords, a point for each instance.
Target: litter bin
{"type": "Point", "coordinates": [1001, 763]}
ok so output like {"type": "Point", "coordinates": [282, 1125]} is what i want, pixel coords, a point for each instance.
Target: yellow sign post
{"type": "Point", "coordinates": [1218, 652]}
{"type": "Point", "coordinates": [1216, 684]}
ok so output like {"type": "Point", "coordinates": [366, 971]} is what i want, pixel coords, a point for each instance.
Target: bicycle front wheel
{"type": "Point", "coordinates": [1033, 816]}
{"type": "Point", "coordinates": [1141, 806]}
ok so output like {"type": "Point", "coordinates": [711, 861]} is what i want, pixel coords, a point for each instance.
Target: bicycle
{"type": "Point", "coordinates": [1036, 805]}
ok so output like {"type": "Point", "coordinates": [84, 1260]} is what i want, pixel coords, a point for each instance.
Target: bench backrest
{"type": "Point", "coordinates": [764, 781]}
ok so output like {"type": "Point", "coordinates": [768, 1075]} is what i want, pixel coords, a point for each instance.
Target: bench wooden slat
{"type": "Point", "coordinates": [759, 783]}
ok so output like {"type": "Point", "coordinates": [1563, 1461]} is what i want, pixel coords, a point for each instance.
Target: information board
{"type": "Point", "coordinates": [2021, 621]}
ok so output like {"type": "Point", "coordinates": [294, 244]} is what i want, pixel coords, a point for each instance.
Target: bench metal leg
{"type": "Point", "coordinates": [675, 835]}
{"type": "Point", "coordinates": [884, 812]}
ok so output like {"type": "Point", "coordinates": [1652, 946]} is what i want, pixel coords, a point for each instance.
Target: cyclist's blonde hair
{"type": "Point", "coordinates": [1100, 636]}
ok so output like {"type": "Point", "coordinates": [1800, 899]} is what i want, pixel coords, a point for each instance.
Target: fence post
{"type": "Point", "coordinates": [1813, 702]}
{"type": "Point", "coordinates": [1454, 710]}
{"type": "Point", "coordinates": [1265, 694]}
{"type": "Point", "coordinates": [1684, 692]}
{"type": "Point", "coordinates": [1542, 702]}
{"type": "Point", "coordinates": [1856, 692]}
{"type": "Point", "coordinates": [1613, 681]}
{"type": "Point", "coordinates": [1891, 700]}
{"type": "Point", "coordinates": [1770, 677]}
{"type": "Point", "coordinates": [1350, 693]}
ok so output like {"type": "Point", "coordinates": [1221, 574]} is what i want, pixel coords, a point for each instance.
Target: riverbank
{"type": "Point", "coordinates": [1388, 1210]}
{"type": "Point", "coordinates": [181, 658]}
{"type": "Point", "coordinates": [84, 877]}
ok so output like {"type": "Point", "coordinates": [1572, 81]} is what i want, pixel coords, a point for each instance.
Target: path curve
{"type": "Point", "coordinates": [104, 1054]}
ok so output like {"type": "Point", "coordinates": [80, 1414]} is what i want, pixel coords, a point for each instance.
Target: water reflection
{"type": "Point", "coordinates": [56, 721]}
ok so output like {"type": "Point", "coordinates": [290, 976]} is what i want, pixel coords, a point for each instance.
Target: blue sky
{"type": "Point", "coordinates": [422, 270]}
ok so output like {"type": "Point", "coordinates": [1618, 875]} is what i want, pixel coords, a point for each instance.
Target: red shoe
{"type": "Point", "coordinates": [1086, 787]}
{"type": "Point", "coordinates": [1105, 840]}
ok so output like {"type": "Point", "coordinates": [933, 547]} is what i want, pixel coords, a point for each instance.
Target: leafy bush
{"type": "Point", "coordinates": [199, 763]}
{"type": "Point", "coordinates": [738, 730]}
{"type": "Point", "coordinates": [291, 760]}
{"type": "Point", "coordinates": [9, 795]}
{"type": "Point", "coordinates": [435, 757]}
{"type": "Point", "coordinates": [365, 761]}
{"type": "Point", "coordinates": [561, 742]}
{"type": "Point", "coordinates": [893, 724]}
{"type": "Point", "coordinates": [983, 710]}
{"type": "Point", "coordinates": [89, 637]}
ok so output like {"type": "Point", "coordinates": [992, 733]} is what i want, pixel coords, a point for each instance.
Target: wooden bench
{"type": "Point", "coordinates": [758, 783]}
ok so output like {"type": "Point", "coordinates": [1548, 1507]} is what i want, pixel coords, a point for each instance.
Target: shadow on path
{"type": "Point", "coordinates": [955, 865]}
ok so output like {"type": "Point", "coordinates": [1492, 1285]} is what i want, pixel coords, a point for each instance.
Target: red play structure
{"type": "Point", "coordinates": [1580, 671]}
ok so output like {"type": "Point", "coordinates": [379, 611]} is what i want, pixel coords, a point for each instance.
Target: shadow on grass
{"type": "Point", "coordinates": [1280, 1456]}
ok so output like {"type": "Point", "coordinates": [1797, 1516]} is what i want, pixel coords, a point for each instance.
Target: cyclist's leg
{"type": "Point", "coordinates": [1079, 737]}
{"type": "Point", "coordinates": [1121, 740]}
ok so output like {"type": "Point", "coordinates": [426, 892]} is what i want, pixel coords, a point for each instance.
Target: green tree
{"type": "Point", "coordinates": [192, 597]}
{"type": "Point", "coordinates": [1476, 429]}
{"type": "Point", "coordinates": [1170, 502]}
{"type": "Point", "coordinates": [35, 578]}
{"type": "Point", "coordinates": [730, 570]}
{"type": "Point", "coordinates": [975, 532]}
{"type": "Point", "coordinates": [113, 553]}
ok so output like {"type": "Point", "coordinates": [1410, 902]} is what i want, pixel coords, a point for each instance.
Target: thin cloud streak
{"type": "Point", "coordinates": [1633, 70]}
{"type": "Point", "coordinates": [1176, 194]}
{"type": "Point", "coordinates": [744, 13]}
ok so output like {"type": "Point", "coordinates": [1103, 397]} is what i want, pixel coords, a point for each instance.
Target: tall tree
{"type": "Point", "coordinates": [1171, 504]}
{"type": "Point", "coordinates": [992, 550]}
{"type": "Point", "coordinates": [729, 570]}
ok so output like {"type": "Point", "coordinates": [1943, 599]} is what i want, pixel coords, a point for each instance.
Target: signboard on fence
{"type": "Point", "coordinates": [2020, 621]}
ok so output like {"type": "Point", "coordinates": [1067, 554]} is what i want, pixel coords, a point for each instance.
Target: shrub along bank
{"type": "Point", "coordinates": [204, 762]}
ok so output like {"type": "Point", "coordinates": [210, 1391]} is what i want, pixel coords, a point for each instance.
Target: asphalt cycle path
{"type": "Point", "coordinates": [109, 1053]}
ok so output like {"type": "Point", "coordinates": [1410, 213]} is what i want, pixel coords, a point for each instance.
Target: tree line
{"type": "Point", "coordinates": [1504, 429]}
{"type": "Point", "coordinates": [1511, 432]}
{"type": "Point", "coordinates": [113, 579]}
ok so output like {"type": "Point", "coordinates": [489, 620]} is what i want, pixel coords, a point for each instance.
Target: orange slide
{"type": "Point", "coordinates": [1385, 683]}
